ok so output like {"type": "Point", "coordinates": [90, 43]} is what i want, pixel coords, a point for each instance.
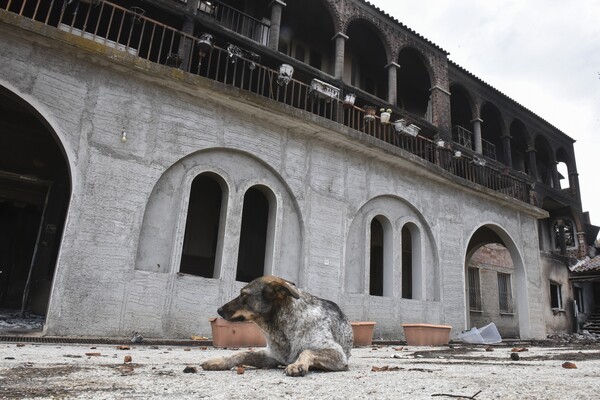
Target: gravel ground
{"type": "Point", "coordinates": [58, 371]}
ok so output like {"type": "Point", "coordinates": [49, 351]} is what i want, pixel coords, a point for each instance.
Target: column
{"type": "Point", "coordinates": [532, 163]}
{"type": "Point", "coordinates": [438, 111]}
{"type": "Point", "coordinates": [340, 46]}
{"type": "Point", "coordinates": [506, 149]}
{"type": "Point", "coordinates": [276, 10]}
{"type": "Point", "coordinates": [574, 185]}
{"type": "Point", "coordinates": [392, 82]}
{"type": "Point", "coordinates": [555, 178]}
{"type": "Point", "coordinates": [477, 135]}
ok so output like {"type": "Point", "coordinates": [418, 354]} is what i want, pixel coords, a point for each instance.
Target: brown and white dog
{"type": "Point", "coordinates": [303, 331]}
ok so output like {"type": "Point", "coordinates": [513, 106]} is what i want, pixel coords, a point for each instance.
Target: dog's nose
{"type": "Point", "coordinates": [220, 311]}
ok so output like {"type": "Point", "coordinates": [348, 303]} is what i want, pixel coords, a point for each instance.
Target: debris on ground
{"type": "Point", "coordinates": [94, 354]}
{"type": "Point", "coordinates": [190, 370]}
{"type": "Point", "coordinates": [194, 337]}
{"type": "Point", "coordinates": [514, 356]}
{"type": "Point", "coordinates": [127, 359]}
{"type": "Point", "coordinates": [519, 349]}
{"type": "Point", "coordinates": [569, 365]}
{"type": "Point", "coordinates": [136, 338]}
{"type": "Point", "coordinates": [123, 348]}
{"type": "Point", "coordinates": [240, 370]}
{"type": "Point", "coordinates": [384, 368]}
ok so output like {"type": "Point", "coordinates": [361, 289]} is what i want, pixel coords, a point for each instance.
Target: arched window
{"type": "Point", "coordinates": [381, 262]}
{"type": "Point", "coordinates": [202, 227]}
{"type": "Point", "coordinates": [256, 234]}
{"type": "Point", "coordinates": [411, 262]}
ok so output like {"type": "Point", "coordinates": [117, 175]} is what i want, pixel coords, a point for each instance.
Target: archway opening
{"type": "Point", "coordinates": [518, 147]}
{"type": "Point", "coordinates": [544, 161]}
{"type": "Point", "coordinates": [495, 283]}
{"type": "Point", "coordinates": [413, 84]}
{"type": "Point", "coordinates": [491, 132]}
{"type": "Point", "coordinates": [35, 187]}
{"type": "Point", "coordinates": [306, 34]}
{"type": "Point", "coordinates": [461, 117]}
{"type": "Point", "coordinates": [203, 226]}
{"type": "Point", "coordinates": [365, 59]}
{"type": "Point", "coordinates": [255, 235]}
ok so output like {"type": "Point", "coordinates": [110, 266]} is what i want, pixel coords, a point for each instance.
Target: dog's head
{"type": "Point", "coordinates": [259, 298]}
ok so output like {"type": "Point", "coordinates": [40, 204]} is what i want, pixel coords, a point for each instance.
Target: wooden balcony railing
{"type": "Point", "coordinates": [128, 30]}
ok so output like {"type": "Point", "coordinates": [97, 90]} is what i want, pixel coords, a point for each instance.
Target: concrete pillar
{"type": "Point", "coordinates": [392, 82]}
{"type": "Point", "coordinates": [340, 47]}
{"type": "Point", "coordinates": [276, 10]}
{"type": "Point", "coordinates": [477, 135]}
{"type": "Point", "coordinates": [507, 153]}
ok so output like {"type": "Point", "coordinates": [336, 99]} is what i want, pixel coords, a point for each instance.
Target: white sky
{"type": "Point", "coordinates": [544, 54]}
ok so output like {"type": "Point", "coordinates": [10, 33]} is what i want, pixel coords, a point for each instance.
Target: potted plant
{"type": "Point", "coordinates": [236, 334]}
{"type": "Point", "coordinates": [385, 115]}
{"type": "Point", "coordinates": [370, 113]}
{"type": "Point", "coordinates": [363, 333]}
{"type": "Point", "coordinates": [349, 99]}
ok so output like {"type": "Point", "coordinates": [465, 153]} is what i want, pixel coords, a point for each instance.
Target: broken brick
{"type": "Point", "coordinates": [127, 359]}
{"type": "Point", "coordinates": [190, 370]}
{"type": "Point", "coordinates": [240, 370]}
{"type": "Point", "coordinates": [93, 354]}
{"type": "Point", "coordinates": [123, 348]}
{"type": "Point", "coordinates": [569, 365]}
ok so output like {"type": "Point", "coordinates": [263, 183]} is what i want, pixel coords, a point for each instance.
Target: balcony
{"type": "Point", "coordinates": [130, 31]}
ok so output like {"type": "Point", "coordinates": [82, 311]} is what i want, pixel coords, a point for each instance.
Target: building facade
{"type": "Point", "coordinates": [158, 154]}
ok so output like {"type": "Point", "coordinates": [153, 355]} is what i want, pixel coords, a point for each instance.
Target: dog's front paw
{"type": "Point", "coordinates": [216, 364]}
{"type": "Point", "coordinates": [296, 369]}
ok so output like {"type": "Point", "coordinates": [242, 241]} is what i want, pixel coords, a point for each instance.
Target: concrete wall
{"type": "Point", "coordinates": [117, 268]}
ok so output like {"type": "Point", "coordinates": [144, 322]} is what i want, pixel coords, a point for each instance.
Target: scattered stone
{"type": "Point", "coordinates": [187, 349]}
{"type": "Point", "coordinates": [489, 348]}
{"type": "Point", "coordinates": [9, 358]}
{"type": "Point", "coordinates": [127, 359]}
{"type": "Point", "coordinates": [569, 365]}
{"type": "Point", "coordinates": [190, 370]}
{"type": "Point", "coordinates": [123, 348]}
{"type": "Point", "coordinates": [126, 369]}
{"type": "Point", "coordinates": [194, 337]}
{"type": "Point", "coordinates": [93, 354]}
{"type": "Point", "coordinates": [93, 348]}
{"type": "Point", "coordinates": [240, 370]}
{"type": "Point", "coordinates": [514, 356]}
{"type": "Point", "coordinates": [20, 345]}
{"type": "Point", "coordinates": [398, 348]}
{"type": "Point", "coordinates": [203, 348]}
{"type": "Point", "coordinates": [72, 356]}
{"type": "Point", "coordinates": [384, 368]}
{"type": "Point", "coordinates": [519, 349]}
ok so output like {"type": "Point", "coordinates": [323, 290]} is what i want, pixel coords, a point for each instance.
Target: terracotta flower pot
{"type": "Point", "coordinates": [363, 333]}
{"type": "Point", "coordinates": [236, 334]}
{"type": "Point", "coordinates": [426, 334]}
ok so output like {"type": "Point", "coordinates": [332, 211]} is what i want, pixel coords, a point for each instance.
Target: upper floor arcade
{"type": "Point", "coordinates": [342, 61]}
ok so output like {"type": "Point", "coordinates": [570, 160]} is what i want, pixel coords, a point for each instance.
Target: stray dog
{"type": "Point", "coordinates": [303, 331]}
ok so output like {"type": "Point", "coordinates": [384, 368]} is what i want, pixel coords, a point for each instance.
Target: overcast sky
{"type": "Point", "coordinates": [545, 54]}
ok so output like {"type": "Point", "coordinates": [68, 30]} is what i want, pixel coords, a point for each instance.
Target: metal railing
{"type": "Point", "coordinates": [488, 149]}
{"type": "Point", "coordinates": [236, 20]}
{"type": "Point", "coordinates": [463, 136]}
{"type": "Point", "coordinates": [130, 31]}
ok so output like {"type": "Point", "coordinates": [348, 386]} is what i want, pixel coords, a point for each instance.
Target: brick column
{"type": "Point", "coordinates": [276, 10]}
{"type": "Point", "coordinates": [440, 111]}
{"type": "Point", "coordinates": [340, 46]}
{"type": "Point", "coordinates": [392, 82]}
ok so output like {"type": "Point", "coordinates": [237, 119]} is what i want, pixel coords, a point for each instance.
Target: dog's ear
{"type": "Point", "coordinates": [279, 289]}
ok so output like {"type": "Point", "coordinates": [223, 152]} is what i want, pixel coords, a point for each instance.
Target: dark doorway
{"type": "Point", "coordinates": [376, 273]}
{"type": "Point", "coordinates": [34, 196]}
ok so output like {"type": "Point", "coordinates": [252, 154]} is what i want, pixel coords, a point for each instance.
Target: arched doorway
{"type": "Point", "coordinates": [35, 188]}
{"type": "Point", "coordinates": [495, 283]}
{"type": "Point", "coordinates": [413, 84]}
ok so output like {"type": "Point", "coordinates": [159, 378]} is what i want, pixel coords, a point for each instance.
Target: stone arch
{"type": "Point", "coordinates": [399, 212]}
{"type": "Point", "coordinates": [162, 230]}
{"type": "Point", "coordinates": [38, 177]}
{"type": "Point", "coordinates": [545, 160]}
{"type": "Point", "coordinates": [462, 114]}
{"type": "Point", "coordinates": [565, 167]}
{"type": "Point", "coordinates": [489, 233]}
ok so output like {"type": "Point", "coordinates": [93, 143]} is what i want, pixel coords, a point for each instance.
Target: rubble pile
{"type": "Point", "coordinates": [582, 337]}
